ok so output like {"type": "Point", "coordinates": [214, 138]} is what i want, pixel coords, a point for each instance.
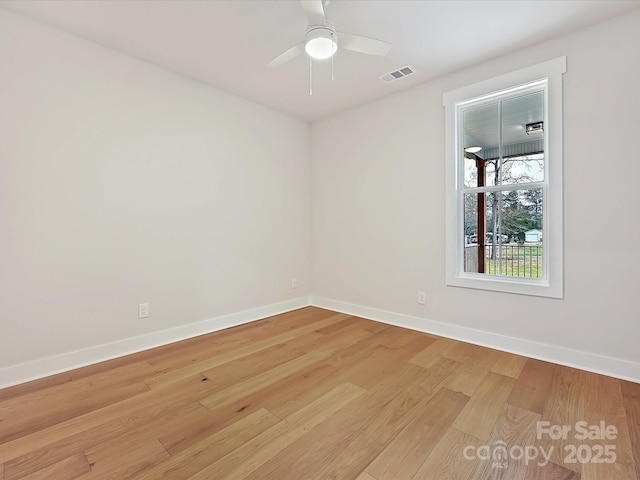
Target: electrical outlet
{"type": "Point", "coordinates": [422, 297]}
{"type": "Point", "coordinates": [294, 283]}
{"type": "Point", "coordinates": [143, 310]}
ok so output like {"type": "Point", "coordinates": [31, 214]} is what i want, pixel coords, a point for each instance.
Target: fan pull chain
{"type": "Point", "coordinates": [332, 67]}
{"type": "Point", "coordinates": [310, 77]}
{"type": "Point", "coordinates": [335, 40]}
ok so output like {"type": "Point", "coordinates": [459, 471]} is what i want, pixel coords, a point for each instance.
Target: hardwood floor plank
{"type": "Point", "coordinates": [433, 353]}
{"type": "Point", "coordinates": [324, 442]}
{"type": "Point", "coordinates": [565, 406]}
{"type": "Point", "coordinates": [551, 471]}
{"type": "Point", "coordinates": [371, 359]}
{"type": "Point", "coordinates": [239, 390]}
{"type": "Point", "coordinates": [360, 415]}
{"type": "Point", "coordinates": [630, 389]}
{"type": "Point", "coordinates": [481, 413]}
{"type": "Point", "coordinates": [515, 430]}
{"type": "Point", "coordinates": [631, 402]}
{"type": "Point", "coordinates": [70, 468]}
{"type": "Point", "coordinates": [348, 459]}
{"type": "Point", "coordinates": [365, 476]}
{"type": "Point", "coordinates": [398, 338]}
{"type": "Point", "coordinates": [193, 350]}
{"type": "Point", "coordinates": [531, 391]}
{"type": "Point", "coordinates": [438, 375]}
{"type": "Point", "coordinates": [314, 452]}
{"type": "Point", "coordinates": [257, 451]}
{"type": "Point", "coordinates": [205, 347]}
{"type": "Point", "coordinates": [209, 450]}
{"type": "Point", "coordinates": [447, 460]}
{"type": "Point", "coordinates": [508, 364]}
{"type": "Point", "coordinates": [312, 395]}
{"type": "Point", "coordinates": [346, 324]}
{"type": "Point", "coordinates": [150, 421]}
{"type": "Point", "coordinates": [109, 421]}
{"type": "Point", "coordinates": [470, 353]}
{"type": "Point", "coordinates": [295, 391]}
{"type": "Point", "coordinates": [259, 362]}
{"type": "Point", "coordinates": [604, 403]}
{"type": "Point", "coordinates": [421, 401]}
{"type": "Point", "coordinates": [226, 354]}
{"type": "Point", "coordinates": [377, 364]}
{"type": "Point", "coordinates": [117, 460]}
{"type": "Point", "coordinates": [21, 418]}
{"type": "Point", "coordinates": [190, 433]}
{"type": "Point", "coordinates": [475, 363]}
{"type": "Point", "coordinates": [418, 342]}
{"type": "Point", "coordinates": [34, 386]}
{"type": "Point", "coordinates": [282, 398]}
{"type": "Point", "coordinates": [250, 456]}
{"type": "Point", "coordinates": [406, 451]}
{"type": "Point", "coordinates": [395, 414]}
{"type": "Point", "coordinates": [355, 353]}
{"type": "Point", "coordinates": [324, 407]}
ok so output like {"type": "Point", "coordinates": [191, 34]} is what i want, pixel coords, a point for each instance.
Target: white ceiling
{"type": "Point", "coordinates": [227, 43]}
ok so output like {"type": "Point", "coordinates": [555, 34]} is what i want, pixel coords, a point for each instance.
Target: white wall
{"type": "Point", "coordinates": [378, 212]}
{"type": "Point", "coordinates": [122, 183]}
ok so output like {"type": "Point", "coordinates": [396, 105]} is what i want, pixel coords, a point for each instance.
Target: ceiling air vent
{"type": "Point", "coordinates": [396, 74]}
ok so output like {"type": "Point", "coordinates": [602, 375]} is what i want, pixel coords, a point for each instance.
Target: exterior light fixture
{"type": "Point", "coordinates": [533, 128]}
{"type": "Point", "coordinates": [472, 149]}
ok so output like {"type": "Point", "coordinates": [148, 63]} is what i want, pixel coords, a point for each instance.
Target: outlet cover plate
{"type": "Point", "coordinates": [143, 310]}
{"type": "Point", "coordinates": [422, 297]}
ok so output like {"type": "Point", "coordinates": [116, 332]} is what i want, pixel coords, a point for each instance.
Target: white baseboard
{"type": "Point", "coordinates": [610, 366]}
{"type": "Point", "coordinates": [43, 367]}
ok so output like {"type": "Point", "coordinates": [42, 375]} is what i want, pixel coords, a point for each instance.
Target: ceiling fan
{"type": "Point", "coordinates": [321, 40]}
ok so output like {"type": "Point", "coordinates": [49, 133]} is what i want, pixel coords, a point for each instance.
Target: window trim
{"type": "Point", "coordinates": [553, 283]}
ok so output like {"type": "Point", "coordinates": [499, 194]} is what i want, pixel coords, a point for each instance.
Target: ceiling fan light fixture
{"type": "Point", "coordinates": [320, 43]}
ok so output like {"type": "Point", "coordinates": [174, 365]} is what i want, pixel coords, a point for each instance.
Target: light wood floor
{"type": "Point", "coordinates": [316, 395]}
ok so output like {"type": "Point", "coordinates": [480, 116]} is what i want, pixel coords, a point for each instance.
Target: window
{"type": "Point", "coordinates": [504, 182]}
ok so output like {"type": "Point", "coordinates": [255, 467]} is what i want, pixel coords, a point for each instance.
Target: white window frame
{"type": "Point", "coordinates": [552, 283]}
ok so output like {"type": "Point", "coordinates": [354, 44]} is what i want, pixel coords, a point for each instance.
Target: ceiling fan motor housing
{"type": "Point", "coordinates": [321, 41]}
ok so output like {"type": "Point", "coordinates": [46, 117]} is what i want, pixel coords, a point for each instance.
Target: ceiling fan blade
{"type": "Point", "coordinates": [358, 43]}
{"type": "Point", "coordinates": [314, 10]}
{"type": "Point", "coordinates": [287, 56]}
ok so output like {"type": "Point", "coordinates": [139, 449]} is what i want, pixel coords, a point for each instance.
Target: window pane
{"type": "Point", "coordinates": [503, 233]}
{"type": "Point", "coordinates": [522, 153]}
{"type": "Point", "coordinates": [504, 141]}
{"type": "Point", "coordinates": [523, 169]}
{"type": "Point", "coordinates": [481, 129]}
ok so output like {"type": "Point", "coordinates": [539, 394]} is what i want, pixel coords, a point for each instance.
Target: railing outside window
{"type": "Point", "coordinates": [510, 260]}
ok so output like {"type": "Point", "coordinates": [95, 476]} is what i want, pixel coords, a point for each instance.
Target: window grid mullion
{"type": "Point", "coordinates": [504, 188]}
